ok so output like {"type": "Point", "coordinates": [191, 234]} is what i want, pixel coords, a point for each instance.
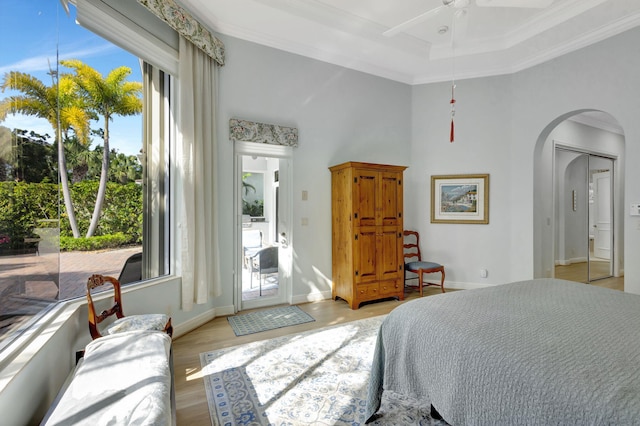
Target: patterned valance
{"type": "Point", "coordinates": [185, 24]}
{"type": "Point", "coordinates": [250, 131]}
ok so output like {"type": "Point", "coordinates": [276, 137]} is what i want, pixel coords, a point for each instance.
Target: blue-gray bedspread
{"type": "Point", "coordinates": [535, 352]}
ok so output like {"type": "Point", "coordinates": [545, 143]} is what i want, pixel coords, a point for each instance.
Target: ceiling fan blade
{"type": "Point", "coordinates": [514, 3]}
{"type": "Point", "coordinates": [413, 21]}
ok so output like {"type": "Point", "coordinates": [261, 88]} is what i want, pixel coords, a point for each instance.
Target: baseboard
{"type": "Point", "coordinates": [201, 319]}
{"type": "Point", "coordinates": [567, 262]}
{"type": "Point", "coordinates": [326, 295]}
{"type": "Point", "coordinates": [311, 297]}
{"type": "Point", "coordinates": [457, 285]}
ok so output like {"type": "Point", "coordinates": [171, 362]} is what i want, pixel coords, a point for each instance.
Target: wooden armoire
{"type": "Point", "coordinates": [366, 211]}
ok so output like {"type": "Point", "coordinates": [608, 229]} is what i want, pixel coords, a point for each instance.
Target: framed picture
{"type": "Point", "coordinates": [460, 199]}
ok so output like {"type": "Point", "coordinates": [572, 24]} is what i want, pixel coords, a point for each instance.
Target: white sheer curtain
{"type": "Point", "coordinates": [198, 220]}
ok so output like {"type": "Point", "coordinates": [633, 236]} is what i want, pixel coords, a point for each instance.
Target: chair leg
{"type": "Point", "coordinates": [442, 281]}
{"type": "Point", "coordinates": [420, 282]}
{"type": "Point", "coordinates": [260, 283]}
{"type": "Point", "coordinates": [404, 278]}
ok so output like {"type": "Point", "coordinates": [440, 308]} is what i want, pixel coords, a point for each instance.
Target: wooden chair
{"type": "Point", "coordinates": [158, 322]}
{"type": "Point", "coordinates": [418, 266]}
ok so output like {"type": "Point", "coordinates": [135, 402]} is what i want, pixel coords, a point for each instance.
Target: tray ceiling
{"type": "Point", "coordinates": [469, 42]}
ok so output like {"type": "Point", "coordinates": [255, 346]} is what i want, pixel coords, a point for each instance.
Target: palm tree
{"type": "Point", "coordinates": [79, 158]}
{"type": "Point", "coordinates": [60, 106]}
{"type": "Point", "coordinates": [107, 97]}
{"type": "Point", "coordinates": [124, 168]}
{"type": "Point", "coordinates": [246, 185]}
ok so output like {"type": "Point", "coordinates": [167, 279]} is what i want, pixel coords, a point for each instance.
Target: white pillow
{"type": "Point", "coordinates": [139, 322]}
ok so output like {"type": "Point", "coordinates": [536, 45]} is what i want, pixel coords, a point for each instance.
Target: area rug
{"type": "Point", "coordinates": [255, 322]}
{"type": "Point", "coordinates": [318, 377]}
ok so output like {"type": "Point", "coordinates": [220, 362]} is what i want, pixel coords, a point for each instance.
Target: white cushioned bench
{"type": "Point", "coordinates": [123, 379]}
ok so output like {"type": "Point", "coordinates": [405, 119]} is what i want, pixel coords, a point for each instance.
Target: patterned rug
{"type": "Point", "coordinates": [318, 377]}
{"type": "Point", "coordinates": [255, 322]}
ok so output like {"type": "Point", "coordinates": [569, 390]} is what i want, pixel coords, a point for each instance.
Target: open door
{"type": "Point", "coordinates": [263, 257]}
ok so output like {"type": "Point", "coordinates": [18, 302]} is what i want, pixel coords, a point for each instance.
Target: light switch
{"type": "Point", "coordinates": [305, 195]}
{"type": "Point", "coordinates": [634, 210]}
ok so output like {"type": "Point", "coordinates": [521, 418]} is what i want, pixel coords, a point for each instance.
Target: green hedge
{"type": "Point", "coordinates": [93, 243]}
{"type": "Point", "coordinates": [27, 206]}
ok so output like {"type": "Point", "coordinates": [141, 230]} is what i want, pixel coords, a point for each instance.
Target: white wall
{"type": "Point", "coordinates": [483, 144]}
{"type": "Point", "coordinates": [341, 115]}
{"type": "Point", "coordinates": [600, 77]}
{"type": "Point", "coordinates": [501, 125]}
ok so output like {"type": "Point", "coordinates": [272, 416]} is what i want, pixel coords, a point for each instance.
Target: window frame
{"type": "Point", "coordinates": [125, 35]}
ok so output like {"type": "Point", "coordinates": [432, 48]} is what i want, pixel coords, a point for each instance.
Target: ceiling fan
{"type": "Point", "coordinates": [461, 7]}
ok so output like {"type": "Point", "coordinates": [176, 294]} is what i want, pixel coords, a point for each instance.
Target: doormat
{"type": "Point", "coordinates": [255, 322]}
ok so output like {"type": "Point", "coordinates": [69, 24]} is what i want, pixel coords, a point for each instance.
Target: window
{"type": "Point", "coordinates": [253, 194]}
{"type": "Point", "coordinates": [42, 258]}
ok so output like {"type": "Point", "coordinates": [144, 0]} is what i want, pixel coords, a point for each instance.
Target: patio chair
{"type": "Point", "coordinates": [265, 261]}
{"type": "Point", "coordinates": [131, 270]}
{"type": "Point", "coordinates": [251, 243]}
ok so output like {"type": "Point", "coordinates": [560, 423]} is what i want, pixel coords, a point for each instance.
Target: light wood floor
{"type": "Point", "coordinates": [191, 399]}
{"type": "Point", "coordinates": [578, 272]}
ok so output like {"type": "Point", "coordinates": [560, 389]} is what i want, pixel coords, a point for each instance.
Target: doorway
{"type": "Point", "coordinates": [584, 212]}
{"type": "Point", "coordinates": [263, 212]}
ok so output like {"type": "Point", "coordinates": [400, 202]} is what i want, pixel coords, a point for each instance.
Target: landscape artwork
{"type": "Point", "coordinates": [460, 199]}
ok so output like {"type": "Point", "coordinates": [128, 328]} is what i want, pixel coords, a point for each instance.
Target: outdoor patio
{"type": "Point", "coordinates": [31, 282]}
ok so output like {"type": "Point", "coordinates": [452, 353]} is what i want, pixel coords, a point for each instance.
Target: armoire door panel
{"type": "Point", "coordinates": [388, 261]}
{"type": "Point", "coordinates": [366, 255]}
{"type": "Point", "coordinates": [366, 188]}
{"type": "Point", "coordinates": [390, 199]}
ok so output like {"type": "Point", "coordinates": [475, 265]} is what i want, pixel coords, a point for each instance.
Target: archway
{"type": "Point", "coordinates": [587, 131]}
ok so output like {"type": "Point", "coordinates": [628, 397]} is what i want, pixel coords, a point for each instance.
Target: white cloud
{"type": "Point", "coordinates": [43, 63]}
{"type": "Point", "coordinates": [29, 123]}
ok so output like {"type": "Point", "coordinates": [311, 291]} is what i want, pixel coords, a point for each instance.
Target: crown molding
{"type": "Point", "coordinates": [312, 52]}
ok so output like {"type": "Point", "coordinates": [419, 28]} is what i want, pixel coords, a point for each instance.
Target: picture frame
{"type": "Point", "coordinates": [460, 199]}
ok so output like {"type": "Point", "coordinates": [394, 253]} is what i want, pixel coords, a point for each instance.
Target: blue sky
{"type": "Point", "coordinates": [30, 32]}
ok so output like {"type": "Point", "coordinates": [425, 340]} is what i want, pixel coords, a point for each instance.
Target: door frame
{"type": "Point", "coordinates": [615, 201]}
{"type": "Point", "coordinates": [285, 258]}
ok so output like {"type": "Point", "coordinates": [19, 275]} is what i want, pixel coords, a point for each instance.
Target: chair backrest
{"type": "Point", "coordinates": [411, 246]}
{"type": "Point", "coordinates": [132, 269]}
{"type": "Point", "coordinates": [252, 238]}
{"type": "Point", "coordinates": [268, 258]}
{"type": "Point", "coordinates": [94, 282]}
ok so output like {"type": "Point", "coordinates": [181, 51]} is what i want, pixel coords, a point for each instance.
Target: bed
{"type": "Point", "coordinates": [542, 352]}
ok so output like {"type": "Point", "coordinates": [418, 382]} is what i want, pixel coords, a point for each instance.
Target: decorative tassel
{"type": "Point", "coordinates": [453, 112]}
{"type": "Point", "coordinates": [451, 138]}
